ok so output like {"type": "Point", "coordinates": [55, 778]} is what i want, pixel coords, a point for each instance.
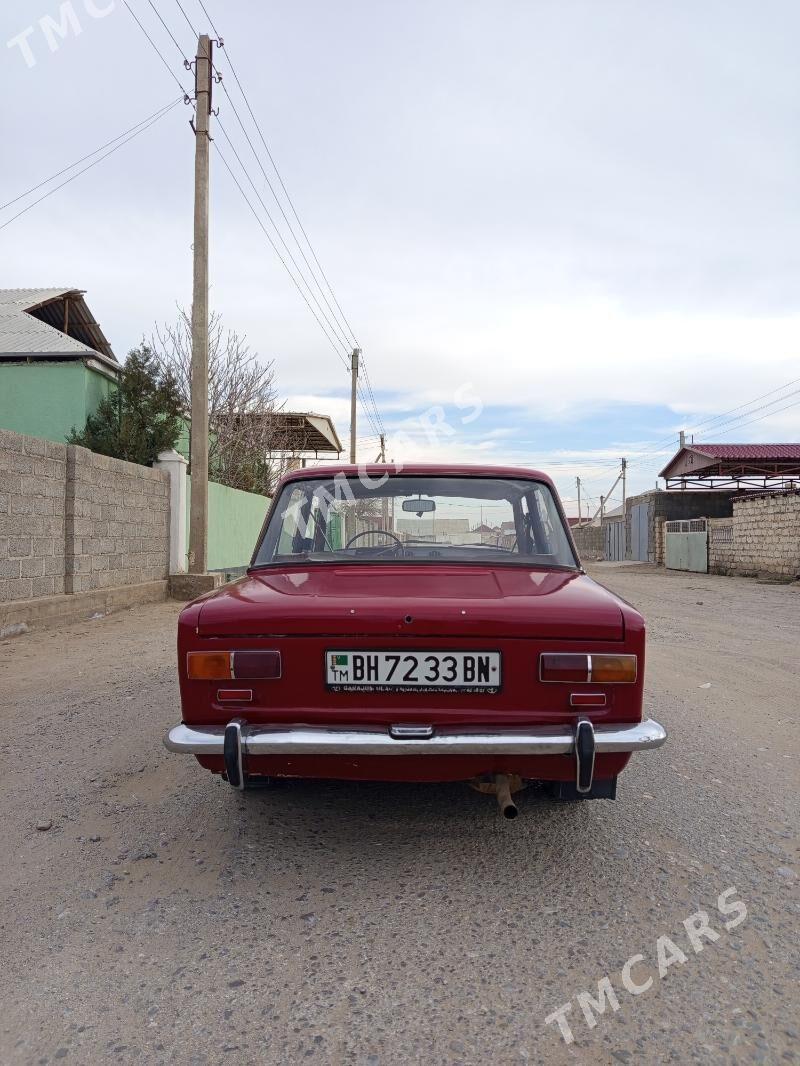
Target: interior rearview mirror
{"type": "Point", "coordinates": [420, 506]}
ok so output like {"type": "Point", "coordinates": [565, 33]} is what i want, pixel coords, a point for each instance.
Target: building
{"type": "Point", "coordinates": [768, 467]}
{"type": "Point", "coordinates": [55, 363]}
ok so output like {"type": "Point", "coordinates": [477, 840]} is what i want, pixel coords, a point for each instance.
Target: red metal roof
{"type": "Point", "coordinates": [748, 451]}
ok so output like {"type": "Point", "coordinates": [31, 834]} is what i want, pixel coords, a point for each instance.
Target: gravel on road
{"type": "Point", "coordinates": [152, 914]}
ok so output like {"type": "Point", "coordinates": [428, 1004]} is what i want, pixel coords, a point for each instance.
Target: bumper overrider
{"type": "Point", "coordinates": [239, 739]}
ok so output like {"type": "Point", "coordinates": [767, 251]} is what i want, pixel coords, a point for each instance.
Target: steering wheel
{"type": "Point", "coordinates": [370, 532]}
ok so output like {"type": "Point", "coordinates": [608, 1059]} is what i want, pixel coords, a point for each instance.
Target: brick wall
{"type": "Point", "coordinates": [32, 482]}
{"type": "Point", "coordinates": [590, 541]}
{"type": "Point", "coordinates": [117, 522]}
{"type": "Point", "coordinates": [72, 521]}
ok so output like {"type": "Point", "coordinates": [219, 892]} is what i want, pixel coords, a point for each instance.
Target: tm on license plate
{"type": "Point", "coordinates": [374, 671]}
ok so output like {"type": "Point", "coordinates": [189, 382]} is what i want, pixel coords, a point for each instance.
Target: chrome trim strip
{"type": "Point", "coordinates": [589, 671]}
{"type": "Point", "coordinates": [305, 740]}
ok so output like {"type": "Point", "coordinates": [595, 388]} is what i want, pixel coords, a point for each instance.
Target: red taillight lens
{"type": "Point", "coordinates": [266, 664]}
{"type": "Point", "coordinates": [598, 669]}
{"type": "Point", "coordinates": [555, 667]}
{"type": "Point", "coordinates": [235, 695]}
{"type": "Point", "coordinates": [230, 665]}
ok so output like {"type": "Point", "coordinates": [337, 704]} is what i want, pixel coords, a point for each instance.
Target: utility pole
{"type": "Point", "coordinates": [198, 516]}
{"type": "Point", "coordinates": [353, 394]}
{"type": "Point", "coordinates": [682, 439]}
{"type": "Point", "coordinates": [580, 513]}
{"type": "Point", "coordinates": [624, 480]}
{"type": "Point", "coordinates": [384, 499]}
{"type": "Point", "coordinates": [602, 508]}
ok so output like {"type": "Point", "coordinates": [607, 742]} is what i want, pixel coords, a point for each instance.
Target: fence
{"type": "Point", "coordinates": [85, 528]}
{"type": "Point", "coordinates": [762, 537]}
{"type": "Point", "coordinates": [234, 522]}
{"type": "Point", "coordinates": [72, 521]}
{"type": "Point", "coordinates": [589, 540]}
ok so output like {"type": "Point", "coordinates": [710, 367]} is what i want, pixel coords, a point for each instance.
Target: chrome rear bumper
{"type": "Point", "coordinates": [238, 740]}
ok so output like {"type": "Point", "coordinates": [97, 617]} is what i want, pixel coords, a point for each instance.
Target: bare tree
{"type": "Point", "coordinates": [245, 437]}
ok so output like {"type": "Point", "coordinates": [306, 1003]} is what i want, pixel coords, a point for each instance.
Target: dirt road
{"type": "Point", "coordinates": [165, 918]}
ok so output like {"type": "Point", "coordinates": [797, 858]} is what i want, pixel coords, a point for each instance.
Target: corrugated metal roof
{"type": "Point", "coordinates": [748, 451]}
{"type": "Point", "coordinates": [26, 328]}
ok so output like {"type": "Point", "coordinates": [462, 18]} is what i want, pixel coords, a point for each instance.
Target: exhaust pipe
{"type": "Point", "coordinates": [504, 799]}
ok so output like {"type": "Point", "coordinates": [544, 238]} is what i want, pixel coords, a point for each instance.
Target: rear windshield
{"type": "Point", "coordinates": [416, 519]}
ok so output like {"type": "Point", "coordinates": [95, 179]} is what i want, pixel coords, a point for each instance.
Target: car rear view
{"type": "Point", "coordinates": [423, 624]}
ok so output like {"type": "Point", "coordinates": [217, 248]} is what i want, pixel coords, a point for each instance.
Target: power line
{"type": "Point", "coordinates": [761, 418]}
{"type": "Point", "coordinates": [762, 407]}
{"type": "Point", "coordinates": [280, 236]}
{"type": "Point", "coordinates": [183, 12]}
{"type": "Point", "coordinates": [331, 341]}
{"type": "Point", "coordinates": [280, 179]}
{"type": "Point", "coordinates": [156, 49]}
{"type": "Point", "coordinates": [714, 418]}
{"type": "Point", "coordinates": [169, 31]}
{"type": "Point", "coordinates": [335, 326]}
{"type": "Point", "coordinates": [71, 166]}
{"type": "Point", "coordinates": [372, 395]}
{"type": "Point", "coordinates": [141, 129]}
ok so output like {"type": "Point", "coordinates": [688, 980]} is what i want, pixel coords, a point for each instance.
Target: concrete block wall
{"type": "Point", "coordinates": [721, 548]}
{"type": "Point", "coordinates": [72, 521]}
{"type": "Point", "coordinates": [766, 535]}
{"type": "Point", "coordinates": [117, 522]}
{"type": "Point", "coordinates": [590, 541]}
{"type": "Point", "coordinates": [32, 512]}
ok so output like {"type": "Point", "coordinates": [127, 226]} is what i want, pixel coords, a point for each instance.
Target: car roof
{"type": "Point", "coordinates": [375, 470]}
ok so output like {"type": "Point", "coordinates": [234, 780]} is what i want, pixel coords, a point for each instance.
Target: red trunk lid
{"type": "Point", "coordinates": [406, 600]}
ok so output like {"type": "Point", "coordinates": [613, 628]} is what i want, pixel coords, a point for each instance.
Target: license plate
{"type": "Point", "coordinates": [413, 671]}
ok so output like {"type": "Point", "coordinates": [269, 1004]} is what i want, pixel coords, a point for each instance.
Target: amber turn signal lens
{"type": "Point", "coordinates": [613, 669]}
{"type": "Point", "coordinates": [209, 665]}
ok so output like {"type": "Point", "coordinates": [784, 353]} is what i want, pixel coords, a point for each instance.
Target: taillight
{"type": "Point", "coordinates": [600, 669]}
{"type": "Point", "coordinates": [209, 665]}
{"type": "Point", "coordinates": [232, 665]}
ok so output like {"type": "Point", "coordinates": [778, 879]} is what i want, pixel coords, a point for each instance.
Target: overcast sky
{"type": "Point", "coordinates": [583, 213]}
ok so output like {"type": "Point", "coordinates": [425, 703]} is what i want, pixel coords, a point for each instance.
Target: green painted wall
{"type": "Point", "coordinates": [46, 400]}
{"type": "Point", "coordinates": [234, 522]}
{"type": "Point", "coordinates": [98, 387]}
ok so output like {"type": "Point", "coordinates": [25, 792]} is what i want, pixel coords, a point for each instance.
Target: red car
{"type": "Point", "coordinates": [423, 623]}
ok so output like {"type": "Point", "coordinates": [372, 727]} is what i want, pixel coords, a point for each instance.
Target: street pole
{"type": "Point", "coordinates": [578, 483]}
{"type": "Point", "coordinates": [353, 388]}
{"type": "Point", "coordinates": [385, 499]}
{"type": "Point", "coordinates": [198, 515]}
{"type": "Point", "coordinates": [602, 508]}
{"type": "Point", "coordinates": [624, 480]}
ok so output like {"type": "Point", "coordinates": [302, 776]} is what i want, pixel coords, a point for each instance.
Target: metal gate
{"type": "Point", "coordinates": [686, 545]}
{"type": "Point", "coordinates": [640, 532]}
{"type": "Point", "coordinates": [615, 540]}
